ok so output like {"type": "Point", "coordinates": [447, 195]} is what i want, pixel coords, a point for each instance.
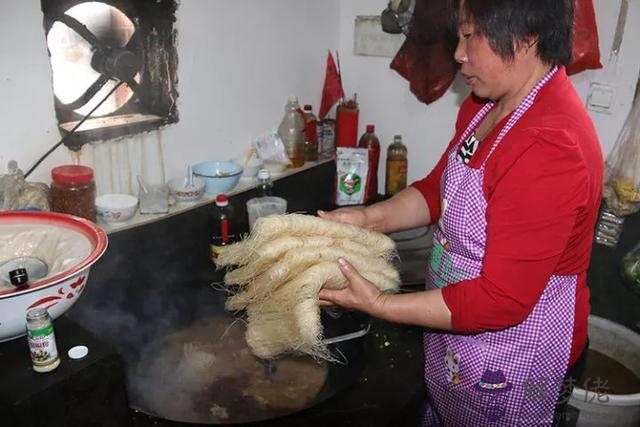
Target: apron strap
{"type": "Point", "coordinates": [520, 110]}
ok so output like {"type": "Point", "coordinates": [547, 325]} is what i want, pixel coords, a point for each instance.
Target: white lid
{"type": "Point", "coordinates": [264, 174]}
{"type": "Point", "coordinates": [78, 352]}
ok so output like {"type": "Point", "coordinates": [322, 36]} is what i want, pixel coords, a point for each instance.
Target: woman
{"type": "Point", "coordinates": [514, 198]}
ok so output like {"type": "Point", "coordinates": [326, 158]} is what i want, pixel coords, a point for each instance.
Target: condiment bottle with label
{"type": "Point", "coordinates": [370, 141]}
{"type": "Point", "coordinates": [223, 232]}
{"type": "Point", "coordinates": [73, 191]}
{"type": "Point", "coordinates": [42, 341]}
{"type": "Point", "coordinates": [310, 135]}
{"type": "Point", "coordinates": [396, 177]}
{"type": "Point", "coordinates": [291, 130]}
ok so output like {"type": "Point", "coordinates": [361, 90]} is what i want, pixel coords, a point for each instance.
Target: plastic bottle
{"type": "Point", "coordinates": [224, 232]}
{"type": "Point", "coordinates": [42, 340]}
{"type": "Point", "coordinates": [396, 177]}
{"type": "Point", "coordinates": [370, 141]}
{"type": "Point", "coordinates": [310, 135]}
{"type": "Point", "coordinates": [291, 131]}
{"type": "Point", "coordinates": [265, 185]}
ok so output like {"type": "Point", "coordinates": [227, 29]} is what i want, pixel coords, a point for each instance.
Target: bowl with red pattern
{"type": "Point", "coordinates": [66, 245]}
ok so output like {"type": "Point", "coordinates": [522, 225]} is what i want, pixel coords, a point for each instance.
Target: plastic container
{"type": "Point", "coordinates": [310, 135]}
{"type": "Point", "coordinates": [347, 115]}
{"type": "Point", "coordinates": [291, 130]}
{"type": "Point", "coordinates": [264, 206]}
{"type": "Point", "coordinates": [604, 409]}
{"type": "Point", "coordinates": [327, 139]}
{"type": "Point", "coordinates": [265, 185]}
{"type": "Point", "coordinates": [224, 230]}
{"type": "Point", "coordinates": [73, 191]}
{"type": "Point", "coordinates": [396, 177]}
{"type": "Point", "coordinates": [370, 141]}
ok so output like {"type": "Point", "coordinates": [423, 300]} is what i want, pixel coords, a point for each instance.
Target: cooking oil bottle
{"type": "Point", "coordinates": [396, 177]}
{"type": "Point", "coordinates": [291, 131]}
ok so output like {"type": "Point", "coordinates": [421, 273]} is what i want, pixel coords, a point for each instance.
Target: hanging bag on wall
{"type": "Point", "coordinates": [586, 51]}
{"type": "Point", "coordinates": [426, 57]}
{"type": "Point", "coordinates": [622, 176]}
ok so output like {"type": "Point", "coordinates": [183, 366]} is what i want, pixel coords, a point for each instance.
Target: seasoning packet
{"type": "Point", "coordinates": [352, 166]}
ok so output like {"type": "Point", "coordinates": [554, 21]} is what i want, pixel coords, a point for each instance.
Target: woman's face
{"type": "Point", "coordinates": [489, 75]}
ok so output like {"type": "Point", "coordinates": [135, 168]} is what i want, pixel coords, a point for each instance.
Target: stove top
{"type": "Point", "coordinates": [414, 247]}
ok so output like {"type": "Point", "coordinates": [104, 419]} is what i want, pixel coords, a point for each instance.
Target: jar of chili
{"type": "Point", "coordinates": [73, 191]}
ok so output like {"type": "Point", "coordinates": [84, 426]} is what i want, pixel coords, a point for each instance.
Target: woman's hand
{"type": "Point", "coordinates": [360, 294]}
{"type": "Point", "coordinates": [407, 209]}
{"type": "Point", "coordinates": [353, 215]}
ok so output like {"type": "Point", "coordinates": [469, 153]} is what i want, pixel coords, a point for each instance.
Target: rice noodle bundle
{"type": "Point", "coordinates": [282, 266]}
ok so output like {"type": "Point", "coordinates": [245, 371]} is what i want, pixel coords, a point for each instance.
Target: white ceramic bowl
{"type": "Point", "coordinates": [58, 292]}
{"type": "Point", "coordinates": [116, 207]}
{"type": "Point", "coordinates": [184, 192]}
{"type": "Point", "coordinates": [275, 169]}
{"type": "Point", "coordinates": [250, 169]}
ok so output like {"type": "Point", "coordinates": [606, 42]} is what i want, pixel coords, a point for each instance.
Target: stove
{"type": "Point", "coordinates": [414, 247]}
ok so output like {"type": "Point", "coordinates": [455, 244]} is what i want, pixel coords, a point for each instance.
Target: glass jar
{"type": "Point", "coordinates": [42, 341]}
{"type": "Point", "coordinates": [73, 191]}
{"type": "Point", "coordinates": [630, 269]}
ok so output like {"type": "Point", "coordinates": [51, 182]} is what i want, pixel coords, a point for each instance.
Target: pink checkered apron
{"type": "Point", "coordinates": [505, 378]}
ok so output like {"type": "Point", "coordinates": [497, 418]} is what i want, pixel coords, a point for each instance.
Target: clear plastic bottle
{"type": "Point", "coordinates": [265, 185]}
{"type": "Point", "coordinates": [291, 130]}
{"type": "Point", "coordinates": [224, 227]}
{"type": "Point", "coordinates": [310, 135]}
{"type": "Point", "coordinates": [396, 177]}
{"type": "Point", "coordinates": [370, 141]}
{"type": "Point", "coordinates": [42, 340]}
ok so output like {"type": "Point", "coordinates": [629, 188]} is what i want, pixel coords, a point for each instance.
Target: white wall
{"type": "Point", "coordinates": [385, 98]}
{"type": "Point", "coordinates": [238, 62]}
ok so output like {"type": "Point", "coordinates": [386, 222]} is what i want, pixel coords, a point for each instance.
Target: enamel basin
{"type": "Point", "coordinates": [67, 245]}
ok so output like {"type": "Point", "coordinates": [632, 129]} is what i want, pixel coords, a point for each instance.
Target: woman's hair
{"type": "Point", "coordinates": [505, 23]}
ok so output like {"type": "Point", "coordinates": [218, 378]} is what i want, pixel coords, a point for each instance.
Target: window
{"type": "Point", "coordinates": [92, 45]}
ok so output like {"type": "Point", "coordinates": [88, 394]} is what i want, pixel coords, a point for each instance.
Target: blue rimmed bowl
{"type": "Point", "coordinates": [220, 177]}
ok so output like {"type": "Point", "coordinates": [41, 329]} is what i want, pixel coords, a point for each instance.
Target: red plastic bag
{"type": "Point", "coordinates": [426, 57]}
{"type": "Point", "coordinates": [586, 51]}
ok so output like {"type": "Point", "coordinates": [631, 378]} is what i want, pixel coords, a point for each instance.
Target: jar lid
{"type": "Point", "coordinates": [72, 174]}
{"type": "Point", "coordinates": [264, 174]}
{"type": "Point", "coordinates": [371, 128]}
{"type": "Point", "coordinates": [221, 200]}
{"type": "Point", "coordinates": [19, 277]}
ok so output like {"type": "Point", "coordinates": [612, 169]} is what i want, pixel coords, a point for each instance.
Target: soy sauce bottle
{"type": "Point", "coordinates": [370, 141]}
{"type": "Point", "coordinates": [224, 230]}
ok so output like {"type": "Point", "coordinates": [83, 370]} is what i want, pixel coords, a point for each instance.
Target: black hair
{"type": "Point", "coordinates": [506, 23]}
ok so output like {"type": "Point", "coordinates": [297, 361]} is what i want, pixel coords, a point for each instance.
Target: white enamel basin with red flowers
{"type": "Point", "coordinates": [61, 289]}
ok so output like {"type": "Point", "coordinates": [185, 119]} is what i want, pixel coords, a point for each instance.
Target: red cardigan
{"type": "Point", "coordinates": [543, 186]}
